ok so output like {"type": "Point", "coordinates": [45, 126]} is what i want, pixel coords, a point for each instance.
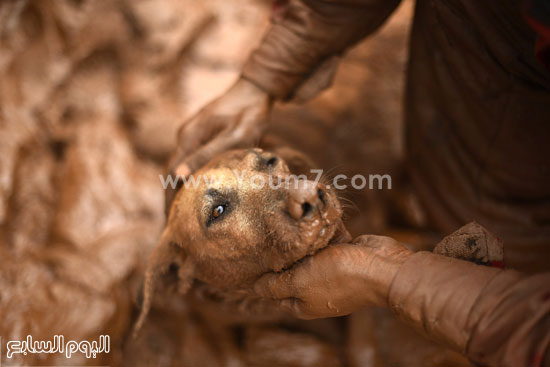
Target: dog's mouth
{"type": "Point", "coordinates": [316, 233]}
{"type": "Point", "coordinates": [339, 235]}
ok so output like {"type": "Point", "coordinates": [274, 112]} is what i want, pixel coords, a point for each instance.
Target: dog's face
{"type": "Point", "coordinates": [245, 216]}
{"type": "Point", "coordinates": [240, 216]}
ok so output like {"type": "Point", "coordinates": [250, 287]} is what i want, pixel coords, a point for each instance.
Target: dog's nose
{"type": "Point", "coordinates": [305, 197]}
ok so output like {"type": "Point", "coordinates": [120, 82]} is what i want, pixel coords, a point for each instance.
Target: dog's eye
{"type": "Point", "coordinates": [218, 211]}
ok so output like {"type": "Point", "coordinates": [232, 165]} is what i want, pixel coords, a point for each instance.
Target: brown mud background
{"type": "Point", "coordinates": [91, 95]}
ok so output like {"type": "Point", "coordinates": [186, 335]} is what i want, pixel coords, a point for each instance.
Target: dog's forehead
{"type": "Point", "coordinates": [241, 179]}
{"type": "Point", "coordinates": [231, 158]}
{"type": "Point", "coordinates": [220, 178]}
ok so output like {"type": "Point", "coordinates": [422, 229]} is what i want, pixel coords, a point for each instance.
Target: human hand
{"type": "Point", "coordinates": [234, 120]}
{"type": "Point", "coordinates": [338, 280]}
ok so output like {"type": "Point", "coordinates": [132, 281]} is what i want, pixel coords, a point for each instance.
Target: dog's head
{"type": "Point", "coordinates": [243, 214]}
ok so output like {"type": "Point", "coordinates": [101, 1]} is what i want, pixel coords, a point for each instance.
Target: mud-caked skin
{"type": "Point", "coordinates": [240, 216]}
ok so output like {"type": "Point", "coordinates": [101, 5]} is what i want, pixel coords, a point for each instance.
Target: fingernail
{"type": "Point", "coordinates": [183, 170]}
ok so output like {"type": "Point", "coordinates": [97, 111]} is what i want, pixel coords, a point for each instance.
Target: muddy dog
{"type": "Point", "coordinates": [248, 212]}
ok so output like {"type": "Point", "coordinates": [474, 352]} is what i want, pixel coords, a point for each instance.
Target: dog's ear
{"type": "Point", "coordinates": [298, 163]}
{"type": "Point", "coordinates": [168, 265]}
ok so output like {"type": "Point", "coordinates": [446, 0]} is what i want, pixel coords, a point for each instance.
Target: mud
{"type": "Point", "coordinates": [91, 95]}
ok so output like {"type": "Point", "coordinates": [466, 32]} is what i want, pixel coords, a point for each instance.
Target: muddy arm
{"type": "Point", "coordinates": [304, 37]}
{"type": "Point", "coordinates": [493, 316]}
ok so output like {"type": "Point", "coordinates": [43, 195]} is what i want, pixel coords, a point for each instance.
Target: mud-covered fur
{"type": "Point", "coordinates": [255, 233]}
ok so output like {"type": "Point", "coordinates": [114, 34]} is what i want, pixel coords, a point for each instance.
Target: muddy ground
{"type": "Point", "coordinates": [91, 95]}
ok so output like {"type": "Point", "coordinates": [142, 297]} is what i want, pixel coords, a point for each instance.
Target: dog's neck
{"type": "Point", "coordinates": [232, 307]}
{"type": "Point", "coordinates": [242, 306]}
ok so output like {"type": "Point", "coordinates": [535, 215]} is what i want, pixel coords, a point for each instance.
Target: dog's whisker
{"type": "Point", "coordinates": [329, 171]}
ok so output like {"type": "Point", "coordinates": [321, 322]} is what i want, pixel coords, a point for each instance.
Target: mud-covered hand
{"type": "Point", "coordinates": [337, 280]}
{"type": "Point", "coordinates": [234, 120]}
